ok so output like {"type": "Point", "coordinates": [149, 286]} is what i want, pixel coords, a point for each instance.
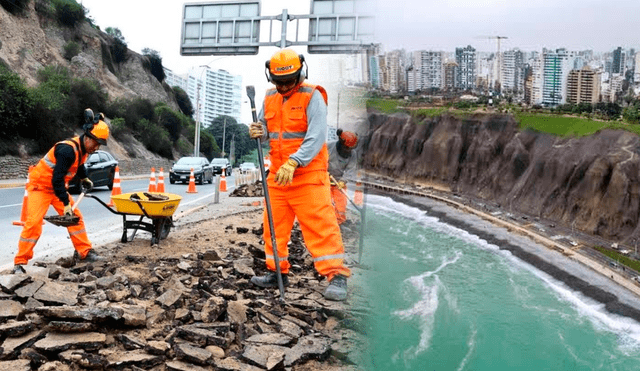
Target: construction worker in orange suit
{"type": "Point", "coordinates": [294, 120]}
{"type": "Point", "coordinates": [342, 164]}
{"type": "Point", "coordinates": [48, 186]}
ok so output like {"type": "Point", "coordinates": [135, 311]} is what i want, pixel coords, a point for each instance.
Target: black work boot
{"type": "Point", "coordinates": [337, 289]}
{"type": "Point", "coordinates": [91, 257]}
{"type": "Point", "coordinates": [18, 269]}
{"type": "Point", "coordinates": [269, 280]}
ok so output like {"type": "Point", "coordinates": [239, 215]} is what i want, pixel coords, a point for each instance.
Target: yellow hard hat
{"type": "Point", "coordinates": [284, 65]}
{"type": "Point", "coordinates": [99, 133]}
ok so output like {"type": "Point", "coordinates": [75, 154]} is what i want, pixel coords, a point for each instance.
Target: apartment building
{"type": "Point", "coordinates": [466, 71]}
{"type": "Point", "coordinates": [583, 86]}
{"type": "Point", "coordinates": [431, 70]}
{"type": "Point", "coordinates": [512, 72]}
{"type": "Point", "coordinates": [556, 66]}
{"type": "Point", "coordinates": [220, 93]}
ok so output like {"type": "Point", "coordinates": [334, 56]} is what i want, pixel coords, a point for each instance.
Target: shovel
{"type": "Point", "coordinates": [67, 220]}
{"type": "Point", "coordinates": [251, 93]}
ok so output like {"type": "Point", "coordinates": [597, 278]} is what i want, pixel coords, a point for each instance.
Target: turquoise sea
{"type": "Point", "coordinates": [444, 299]}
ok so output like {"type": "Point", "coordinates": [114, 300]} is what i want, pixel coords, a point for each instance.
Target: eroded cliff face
{"type": "Point", "coordinates": [592, 181]}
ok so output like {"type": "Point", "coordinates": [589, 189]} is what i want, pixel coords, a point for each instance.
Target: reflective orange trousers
{"type": "Point", "coordinates": [311, 204]}
{"type": "Point", "coordinates": [339, 201]}
{"type": "Point", "coordinates": [38, 202]}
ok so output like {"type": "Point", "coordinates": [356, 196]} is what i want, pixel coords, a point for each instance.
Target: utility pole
{"type": "Point", "coordinates": [224, 132]}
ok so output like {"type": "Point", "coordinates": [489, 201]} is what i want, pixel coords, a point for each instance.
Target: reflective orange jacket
{"type": "Point", "coordinates": [41, 175]}
{"type": "Point", "coordinates": [287, 126]}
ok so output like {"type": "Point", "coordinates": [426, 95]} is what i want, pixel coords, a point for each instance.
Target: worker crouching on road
{"type": "Point", "coordinates": [342, 164]}
{"type": "Point", "coordinates": [295, 115]}
{"type": "Point", "coordinates": [47, 185]}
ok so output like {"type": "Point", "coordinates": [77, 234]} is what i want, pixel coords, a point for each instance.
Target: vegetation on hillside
{"type": "Point", "coordinates": [564, 120]}
{"type": "Point", "coordinates": [53, 110]}
{"type": "Point", "coordinates": [232, 131]}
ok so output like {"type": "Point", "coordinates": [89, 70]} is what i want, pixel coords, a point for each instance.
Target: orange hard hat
{"type": "Point", "coordinates": [99, 133]}
{"type": "Point", "coordinates": [348, 139]}
{"type": "Point", "coordinates": [285, 64]}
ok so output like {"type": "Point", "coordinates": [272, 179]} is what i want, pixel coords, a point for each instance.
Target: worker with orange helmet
{"type": "Point", "coordinates": [294, 120]}
{"type": "Point", "coordinates": [342, 164]}
{"type": "Point", "coordinates": [48, 183]}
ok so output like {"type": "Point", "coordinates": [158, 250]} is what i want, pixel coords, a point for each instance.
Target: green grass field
{"type": "Point", "coordinates": [569, 126]}
{"type": "Point", "coordinates": [622, 259]}
{"type": "Point", "coordinates": [562, 126]}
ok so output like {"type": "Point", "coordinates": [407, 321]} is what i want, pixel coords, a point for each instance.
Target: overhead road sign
{"type": "Point", "coordinates": [340, 26]}
{"type": "Point", "coordinates": [221, 28]}
{"type": "Point", "coordinates": [233, 27]}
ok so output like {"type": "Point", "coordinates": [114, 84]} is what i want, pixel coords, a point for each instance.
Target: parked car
{"type": "Point", "coordinates": [101, 169]}
{"type": "Point", "coordinates": [221, 165]}
{"type": "Point", "coordinates": [247, 166]}
{"type": "Point", "coordinates": [181, 170]}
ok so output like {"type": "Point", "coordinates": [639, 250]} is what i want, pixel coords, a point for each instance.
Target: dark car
{"type": "Point", "coordinates": [221, 165]}
{"type": "Point", "coordinates": [181, 170]}
{"type": "Point", "coordinates": [101, 169]}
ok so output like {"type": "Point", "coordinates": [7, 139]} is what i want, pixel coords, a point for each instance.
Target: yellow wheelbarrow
{"type": "Point", "coordinates": [159, 207]}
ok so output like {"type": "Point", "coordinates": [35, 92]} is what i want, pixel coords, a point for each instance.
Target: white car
{"type": "Point", "coordinates": [247, 166]}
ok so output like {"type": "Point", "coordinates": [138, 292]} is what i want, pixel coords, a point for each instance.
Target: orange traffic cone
{"type": "Point", "coordinates": [223, 183]}
{"type": "Point", "coordinates": [23, 213]}
{"type": "Point", "coordinates": [192, 183]}
{"type": "Point", "coordinates": [152, 180]}
{"type": "Point", "coordinates": [116, 186]}
{"type": "Point", "coordinates": [160, 187]}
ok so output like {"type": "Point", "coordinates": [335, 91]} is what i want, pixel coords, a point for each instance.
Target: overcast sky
{"type": "Point", "coordinates": [411, 24]}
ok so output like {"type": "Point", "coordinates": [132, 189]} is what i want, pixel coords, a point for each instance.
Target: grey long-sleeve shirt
{"type": "Point", "coordinates": [340, 167]}
{"type": "Point", "coordinates": [316, 130]}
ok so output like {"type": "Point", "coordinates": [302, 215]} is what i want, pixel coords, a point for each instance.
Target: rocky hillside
{"type": "Point", "coordinates": [591, 183]}
{"type": "Point", "coordinates": [29, 42]}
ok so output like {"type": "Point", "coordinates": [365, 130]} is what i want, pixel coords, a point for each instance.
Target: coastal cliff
{"type": "Point", "coordinates": [590, 183]}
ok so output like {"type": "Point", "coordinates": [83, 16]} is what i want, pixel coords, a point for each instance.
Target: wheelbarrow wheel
{"type": "Point", "coordinates": [163, 227]}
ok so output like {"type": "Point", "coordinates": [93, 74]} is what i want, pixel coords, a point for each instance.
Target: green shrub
{"type": "Point", "coordinates": [53, 91]}
{"type": "Point", "coordinates": [15, 103]}
{"type": "Point", "coordinates": [154, 138]}
{"type": "Point", "coordinates": [119, 50]}
{"type": "Point", "coordinates": [71, 49]}
{"type": "Point", "coordinates": [119, 127]}
{"type": "Point", "coordinates": [171, 120]}
{"type": "Point", "coordinates": [153, 63]}
{"type": "Point", "coordinates": [183, 101]}
{"type": "Point", "coordinates": [84, 93]}
{"type": "Point", "coordinates": [68, 12]}
{"type": "Point", "coordinates": [15, 7]}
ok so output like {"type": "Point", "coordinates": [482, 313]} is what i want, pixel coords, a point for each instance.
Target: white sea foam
{"type": "Point", "coordinates": [424, 309]}
{"type": "Point", "coordinates": [471, 346]}
{"type": "Point", "coordinates": [627, 329]}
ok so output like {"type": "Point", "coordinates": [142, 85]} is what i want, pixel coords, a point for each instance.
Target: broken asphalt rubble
{"type": "Point", "coordinates": [186, 311]}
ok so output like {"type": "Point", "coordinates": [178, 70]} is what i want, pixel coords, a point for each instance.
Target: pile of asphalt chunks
{"type": "Point", "coordinates": [196, 311]}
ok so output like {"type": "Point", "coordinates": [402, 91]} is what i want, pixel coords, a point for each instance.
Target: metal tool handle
{"type": "Point", "coordinates": [345, 194]}
{"type": "Point", "coordinates": [251, 93]}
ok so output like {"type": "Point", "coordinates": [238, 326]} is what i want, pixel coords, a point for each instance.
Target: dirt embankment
{"type": "Point", "coordinates": [591, 183]}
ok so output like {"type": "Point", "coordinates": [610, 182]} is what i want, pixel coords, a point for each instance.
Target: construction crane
{"type": "Point", "coordinates": [498, 38]}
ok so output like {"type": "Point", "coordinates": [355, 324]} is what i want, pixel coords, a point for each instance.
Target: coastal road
{"type": "Point", "coordinates": [102, 225]}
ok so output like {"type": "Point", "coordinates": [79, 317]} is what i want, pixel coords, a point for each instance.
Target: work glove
{"type": "Point", "coordinates": [68, 210]}
{"type": "Point", "coordinates": [341, 184]}
{"type": "Point", "coordinates": [284, 176]}
{"type": "Point", "coordinates": [256, 130]}
{"type": "Point", "coordinates": [87, 184]}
